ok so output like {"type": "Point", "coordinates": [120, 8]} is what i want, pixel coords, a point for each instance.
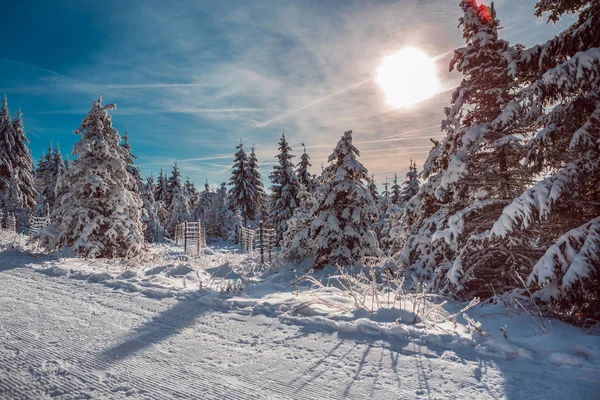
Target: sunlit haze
{"type": "Point", "coordinates": [407, 77]}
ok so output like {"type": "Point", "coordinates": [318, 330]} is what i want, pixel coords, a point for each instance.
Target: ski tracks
{"type": "Point", "coordinates": [68, 339]}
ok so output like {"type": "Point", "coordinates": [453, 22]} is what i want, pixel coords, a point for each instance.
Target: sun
{"type": "Point", "coordinates": [407, 77]}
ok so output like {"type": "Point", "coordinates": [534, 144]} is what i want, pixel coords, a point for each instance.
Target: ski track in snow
{"type": "Point", "coordinates": [68, 339]}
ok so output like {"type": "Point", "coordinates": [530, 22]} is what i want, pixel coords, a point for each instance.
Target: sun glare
{"type": "Point", "coordinates": [407, 77]}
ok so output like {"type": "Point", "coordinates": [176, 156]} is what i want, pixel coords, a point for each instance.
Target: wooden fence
{"type": "Point", "coordinates": [191, 236]}
{"type": "Point", "coordinates": [8, 222]}
{"type": "Point", "coordinates": [261, 239]}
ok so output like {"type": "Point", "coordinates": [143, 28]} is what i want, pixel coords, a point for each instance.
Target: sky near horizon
{"type": "Point", "coordinates": [193, 78]}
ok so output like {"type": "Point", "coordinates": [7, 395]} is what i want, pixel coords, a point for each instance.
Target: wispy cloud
{"type": "Point", "coordinates": [191, 81]}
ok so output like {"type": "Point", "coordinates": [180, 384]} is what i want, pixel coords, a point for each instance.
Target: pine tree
{"type": "Point", "coordinates": [242, 195]}
{"type": "Point", "coordinates": [50, 166]}
{"type": "Point", "coordinates": [222, 216]}
{"type": "Point", "coordinates": [472, 172]}
{"type": "Point", "coordinates": [173, 184]}
{"type": "Point", "coordinates": [15, 155]}
{"type": "Point", "coordinates": [396, 192]}
{"type": "Point", "coordinates": [385, 200]}
{"type": "Point", "coordinates": [180, 208]}
{"type": "Point", "coordinates": [411, 184]}
{"type": "Point", "coordinates": [13, 200]}
{"type": "Point", "coordinates": [98, 216]}
{"type": "Point", "coordinates": [256, 183]}
{"type": "Point", "coordinates": [297, 246]}
{"type": "Point", "coordinates": [344, 210]}
{"type": "Point", "coordinates": [561, 100]}
{"type": "Point", "coordinates": [285, 189]}
{"type": "Point", "coordinates": [373, 189]}
{"type": "Point", "coordinates": [7, 143]}
{"type": "Point", "coordinates": [131, 167]}
{"type": "Point", "coordinates": [304, 176]}
{"type": "Point", "coordinates": [151, 218]}
{"type": "Point", "coordinates": [160, 193]}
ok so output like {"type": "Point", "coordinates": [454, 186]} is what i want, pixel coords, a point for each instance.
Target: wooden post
{"type": "Point", "coordinates": [261, 243]}
{"type": "Point", "coordinates": [270, 246]}
{"type": "Point", "coordinates": [198, 236]}
{"type": "Point", "coordinates": [185, 237]}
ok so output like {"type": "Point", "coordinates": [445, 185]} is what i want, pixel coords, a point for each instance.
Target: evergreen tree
{"type": "Point", "coordinates": [242, 195]}
{"type": "Point", "coordinates": [411, 184]}
{"type": "Point", "coordinates": [189, 188]}
{"type": "Point", "coordinates": [180, 208]}
{"type": "Point", "coordinates": [385, 200]}
{"type": "Point", "coordinates": [373, 189]}
{"type": "Point", "coordinates": [50, 167]}
{"type": "Point", "coordinates": [472, 172]}
{"type": "Point", "coordinates": [285, 189]}
{"type": "Point", "coordinates": [344, 210]}
{"type": "Point", "coordinates": [561, 100]}
{"type": "Point", "coordinates": [7, 143]}
{"type": "Point", "coordinates": [130, 160]}
{"type": "Point", "coordinates": [99, 216]}
{"type": "Point", "coordinates": [304, 176]}
{"type": "Point", "coordinates": [297, 246]}
{"type": "Point", "coordinates": [13, 200]}
{"type": "Point", "coordinates": [396, 192]}
{"type": "Point", "coordinates": [173, 184]}
{"type": "Point", "coordinates": [256, 183]}
{"type": "Point", "coordinates": [153, 226]}
{"type": "Point", "coordinates": [160, 193]}
{"type": "Point", "coordinates": [15, 155]}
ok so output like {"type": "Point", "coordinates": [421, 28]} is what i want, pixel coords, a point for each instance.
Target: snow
{"type": "Point", "coordinates": [163, 328]}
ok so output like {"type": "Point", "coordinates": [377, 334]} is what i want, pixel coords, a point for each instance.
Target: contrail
{"type": "Point", "coordinates": [407, 132]}
{"type": "Point", "coordinates": [287, 114]}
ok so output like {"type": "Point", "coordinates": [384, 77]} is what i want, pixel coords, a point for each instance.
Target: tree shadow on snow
{"type": "Point", "coordinates": [169, 322]}
{"type": "Point", "coordinates": [518, 378]}
{"type": "Point", "coordinates": [12, 259]}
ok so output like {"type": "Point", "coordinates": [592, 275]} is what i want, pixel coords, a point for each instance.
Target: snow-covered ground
{"type": "Point", "coordinates": [72, 328]}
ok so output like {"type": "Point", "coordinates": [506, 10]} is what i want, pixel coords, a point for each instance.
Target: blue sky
{"type": "Point", "coordinates": [192, 78]}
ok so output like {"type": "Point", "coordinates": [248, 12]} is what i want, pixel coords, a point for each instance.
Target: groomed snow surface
{"type": "Point", "coordinates": [75, 329]}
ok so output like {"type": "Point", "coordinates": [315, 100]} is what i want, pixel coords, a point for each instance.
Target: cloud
{"type": "Point", "coordinates": [191, 81]}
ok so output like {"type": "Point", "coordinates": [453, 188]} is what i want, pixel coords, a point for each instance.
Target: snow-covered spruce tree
{"type": "Point", "coordinates": [98, 216]}
{"type": "Point", "coordinates": [562, 100]}
{"type": "Point", "coordinates": [472, 173]}
{"type": "Point", "coordinates": [173, 184]}
{"type": "Point", "coordinates": [160, 193]}
{"type": "Point", "coordinates": [49, 168]}
{"type": "Point", "coordinates": [257, 184]}
{"type": "Point", "coordinates": [344, 210]}
{"type": "Point", "coordinates": [13, 200]}
{"type": "Point", "coordinates": [223, 216]}
{"type": "Point", "coordinates": [160, 196]}
{"type": "Point", "coordinates": [373, 189]}
{"type": "Point", "coordinates": [285, 189]}
{"type": "Point", "coordinates": [203, 204]}
{"type": "Point", "coordinates": [385, 198]}
{"type": "Point", "coordinates": [15, 156]}
{"type": "Point", "coordinates": [396, 192]}
{"type": "Point", "coordinates": [297, 246]}
{"type": "Point", "coordinates": [41, 206]}
{"type": "Point", "coordinates": [242, 194]}
{"type": "Point", "coordinates": [304, 176]}
{"type": "Point", "coordinates": [153, 226]}
{"type": "Point", "coordinates": [180, 208]}
{"type": "Point", "coordinates": [189, 189]}
{"type": "Point", "coordinates": [131, 167]}
{"type": "Point", "coordinates": [7, 142]}
{"type": "Point", "coordinates": [411, 184]}
{"type": "Point", "coordinates": [385, 201]}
